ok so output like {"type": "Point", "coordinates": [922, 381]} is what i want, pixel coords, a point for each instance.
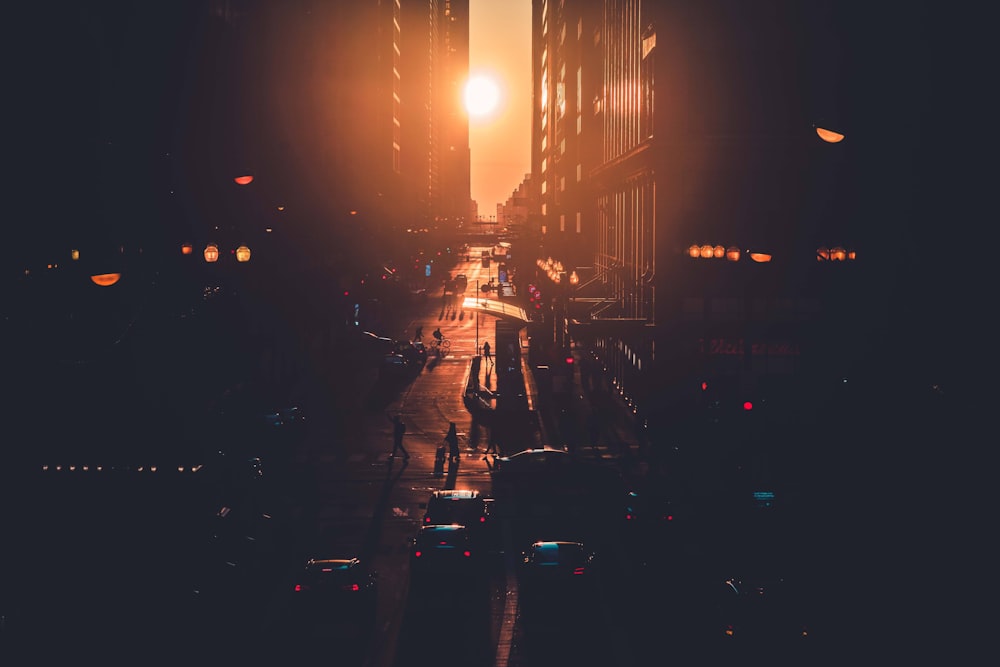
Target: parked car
{"type": "Point", "coordinates": [394, 367]}
{"type": "Point", "coordinates": [461, 282]}
{"type": "Point", "coordinates": [414, 351]}
{"type": "Point", "coordinates": [374, 345]}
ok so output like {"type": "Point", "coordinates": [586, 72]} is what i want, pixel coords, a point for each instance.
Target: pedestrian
{"type": "Point", "coordinates": [486, 352]}
{"type": "Point", "coordinates": [452, 439]}
{"type": "Point", "coordinates": [398, 429]}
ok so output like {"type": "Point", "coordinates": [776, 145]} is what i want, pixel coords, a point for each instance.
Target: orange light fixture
{"type": "Point", "coordinates": [187, 249]}
{"type": "Point", "coordinates": [694, 251]}
{"type": "Point", "coordinates": [829, 136]}
{"type": "Point", "coordinates": [211, 253]}
{"type": "Point", "coordinates": [733, 253]}
{"type": "Point", "coordinates": [760, 257]}
{"type": "Point", "coordinates": [105, 279]}
{"type": "Point", "coordinates": [822, 254]}
{"type": "Point", "coordinates": [243, 254]}
{"type": "Point", "coordinates": [574, 278]}
{"type": "Point", "coordinates": [74, 254]}
{"type": "Point", "coordinates": [838, 254]}
{"type": "Point", "coordinates": [707, 250]}
{"type": "Point", "coordinates": [719, 251]}
{"type": "Point", "coordinates": [244, 180]}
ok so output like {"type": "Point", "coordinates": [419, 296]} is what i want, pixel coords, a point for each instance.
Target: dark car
{"type": "Point", "coordinates": [460, 282]}
{"type": "Point", "coordinates": [413, 351]}
{"type": "Point", "coordinates": [556, 581]}
{"type": "Point", "coordinates": [556, 561]}
{"type": "Point", "coordinates": [767, 611]}
{"type": "Point", "coordinates": [394, 367]}
{"type": "Point", "coordinates": [462, 506]}
{"type": "Point", "coordinates": [554, 472]}
{"type": "Point", "coordinates": [342, 587]}
{"type": "Point", "coordinates": [373, 345]}
{"type": "Point", "coordinates": [441, 551]}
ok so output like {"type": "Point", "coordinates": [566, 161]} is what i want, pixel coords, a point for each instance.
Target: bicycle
{"type": "Point", "coordinates": [443, 345]}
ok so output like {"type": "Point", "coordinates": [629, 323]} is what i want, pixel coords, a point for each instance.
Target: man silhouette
{"type": "Point", "coordinates": [486, 352]}
{"type": "Point", "coordinates": [398, 429]}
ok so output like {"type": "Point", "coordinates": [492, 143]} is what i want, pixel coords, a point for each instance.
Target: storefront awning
{"type": "Point", "coordinates": [500, 309]}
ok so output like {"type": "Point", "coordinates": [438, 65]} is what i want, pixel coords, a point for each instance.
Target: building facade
{"type": "Point", "coordinates": [676, 156]}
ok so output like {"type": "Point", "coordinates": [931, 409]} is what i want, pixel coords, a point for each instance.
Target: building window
{"type": "Point", "coordinates": [562, 184]}
{"type": "Point", "coordinates": [579, 172]}
{"type": "Point", "coordinates": [562, 222]}
{"type": "Point", "coordinates": [579, 222]}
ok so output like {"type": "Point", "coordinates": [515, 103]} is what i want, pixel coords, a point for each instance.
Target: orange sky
{"type": "Point", "coordinates": [500, 144]}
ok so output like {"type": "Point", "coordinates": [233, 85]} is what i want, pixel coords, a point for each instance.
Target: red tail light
{"type": "Point", "coordinates": [466, 553]}
{"type": "Point", "coordinates": [418, 554]}
{"type": "Point", "coordinates": [299, 588]}
{"type": "Point", "coordinates": [482, 519]}
{"type": "Point", "coordinates": [579, 570]}
{"type": "Point", "coordinates": [352, 587]}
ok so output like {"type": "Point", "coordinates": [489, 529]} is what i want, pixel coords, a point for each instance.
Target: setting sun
{"type": "Point", "coordinates": [482, 95]}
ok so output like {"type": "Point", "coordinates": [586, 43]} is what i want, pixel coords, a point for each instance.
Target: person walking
{"type": "Point", "coordinates": [452, 439]}
{"type": "Point", "coordinates": [486, 352]}
{"type": "Point", "coordinates": [398, 429]}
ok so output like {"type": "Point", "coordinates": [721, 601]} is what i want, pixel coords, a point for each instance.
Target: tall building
{"type": "Point", "coordinates": [676, 153]}
{"type": "Point", "coordinates": [422, 75]}
{"type": "Point", "coordinates": [455, 206]}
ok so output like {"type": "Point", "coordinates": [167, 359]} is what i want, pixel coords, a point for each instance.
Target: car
{"type": "Point", "coordinates": [394, 367]}
{"type": "Point", "coordinates": [466, 507]}
{"type": "Point", "coordinates": [373, 344]}
{"type": "Point", "coordinates": [415, 352]}
{"type": "Point", "coordinates": [556, 561]}
{"type": "Point", "coordinates": [556, 579]}
{"type": "Point", "coordinates": [655, 514]}
{"type": "Point", "coordinates": [335, 586]}
{"type": "Point", "coordinates": [461, 282]}
{"type": "Point", "coordinates": [767, 611]}
{"type": "Point", "coordinates": [547, 471]}
{"type": "Point", "coordinates": [441, 550]}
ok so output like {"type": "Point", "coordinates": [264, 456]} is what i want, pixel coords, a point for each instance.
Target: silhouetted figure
{"type": "Point", "coordinates": [452, 439]}
{"type": "Point", "coordinates": [486, 352]}
{"type": "Point", "coordinates": [419, 333]}
{"type": "Point", "coordinates": [398, 429]}
{"type": "Point", "coordinates": [437, 334]}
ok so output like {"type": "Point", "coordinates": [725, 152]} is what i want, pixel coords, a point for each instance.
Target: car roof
{"type": "Point", "coordinates": [555, 552]}
{"type": "Point", "coordinates": [455, 494]}
{"type": "Point", "coordinates": [539, 452]}
{"type": "Point", "coordinates": [443, 528]}
{"type": "Point", "coordinates": [325, 564]}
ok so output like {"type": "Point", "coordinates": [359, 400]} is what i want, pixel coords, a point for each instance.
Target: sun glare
{"type": "Point", "coordinates": [482, 95]}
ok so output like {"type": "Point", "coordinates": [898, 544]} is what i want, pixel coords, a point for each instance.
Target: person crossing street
{"type": "Point", "coordinates": [398, 430]}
